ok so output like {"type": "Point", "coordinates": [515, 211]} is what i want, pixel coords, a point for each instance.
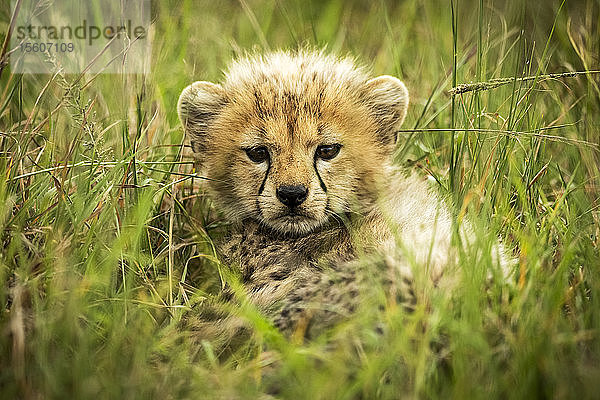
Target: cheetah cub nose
{"type": "Point", "coordinates": [292, 195]}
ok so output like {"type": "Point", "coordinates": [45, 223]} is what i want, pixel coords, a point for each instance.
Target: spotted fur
{"type": "Point", "coordinates": [295, 261]}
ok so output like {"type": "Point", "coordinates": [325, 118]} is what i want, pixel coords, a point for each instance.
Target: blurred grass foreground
{"type": "Point", "coordinates": [106, 237]}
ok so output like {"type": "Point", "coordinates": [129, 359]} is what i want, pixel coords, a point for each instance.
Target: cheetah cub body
{"type": "Point", "coordinates": [296, 149]}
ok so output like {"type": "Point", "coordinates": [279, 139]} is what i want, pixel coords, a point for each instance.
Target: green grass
{"type": "Point", "coordinates": [105, 235]}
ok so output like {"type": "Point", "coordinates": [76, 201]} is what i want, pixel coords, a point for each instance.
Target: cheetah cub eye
{"type": "Point", "coordinates": [327, 152]}
{"type": "Point", "coordinates": [258, 154]}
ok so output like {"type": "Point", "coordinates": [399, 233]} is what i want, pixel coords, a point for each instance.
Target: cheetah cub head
{"type": "Point", "coordinates": [294, 141]}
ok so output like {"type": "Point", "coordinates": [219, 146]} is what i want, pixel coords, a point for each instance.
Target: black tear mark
{"type": "Point", "coordinates": [262, 185]}
{"type": "Point", "coordinates": [319, 176]}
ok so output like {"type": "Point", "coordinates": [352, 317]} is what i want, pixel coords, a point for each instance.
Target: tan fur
{"type": "Point", "coordinates": [357, 202]}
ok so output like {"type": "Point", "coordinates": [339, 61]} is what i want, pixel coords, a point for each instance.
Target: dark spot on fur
{"type": "Point", "coordinates": [318, 111]}
{"type": "Point", "coordinates": [296, 299]}
{"type": "Point", "coordinates": [247, 273]}
{"type": "Point", "coordinates": [291, 126]}
{"type": "Point", "coordinates": [227, 295]}
{"type": "Point", "coordinates": [258, 104]}
{"type": "Point", "coordinates": [258, 287]}
{"type": "Point", "coordinates": [278, 275]}
{"type": "Point", "coordinates": [399, 298]}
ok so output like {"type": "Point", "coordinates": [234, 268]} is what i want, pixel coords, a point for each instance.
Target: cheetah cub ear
{"type": "Point", "coordinates": [388, 98]}
{"type": "Point", "coordinates": [198, 106]}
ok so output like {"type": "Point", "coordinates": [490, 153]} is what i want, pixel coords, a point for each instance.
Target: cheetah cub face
{"type": "Point", "coordinates": [294, 141]}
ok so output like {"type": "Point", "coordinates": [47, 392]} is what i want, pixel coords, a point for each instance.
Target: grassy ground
{"type": "Point", "coordinates": [106, 237]}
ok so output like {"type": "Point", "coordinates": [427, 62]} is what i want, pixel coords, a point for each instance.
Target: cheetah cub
{"type": "Point", "coordinates": [297, 151]}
